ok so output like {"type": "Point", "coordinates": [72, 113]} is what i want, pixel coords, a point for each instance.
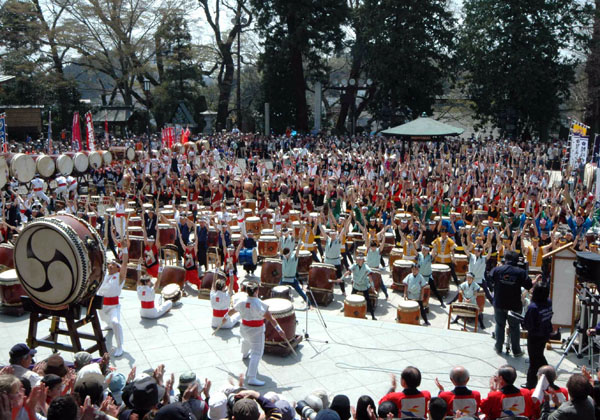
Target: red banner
{"type": "Point", "coordinates": [89, 129]}
{"type": "Point", "coordinates": [76, 133]}
{"type": "Point", "coordinates": [106, 137]}
{"type": "Point", "coordinates": [171, 136]}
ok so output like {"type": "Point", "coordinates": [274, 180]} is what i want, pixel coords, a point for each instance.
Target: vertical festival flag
{"type": "Point", "coordinates": [3, 135]}
{"type": "Point", "coordinates": [106, 128]}
{"type": "Point", "coordinates": [76, 133]}
{"type": "Point", "coordinates": [49, 132]}
{"type": "Point", "coordinates": [171, 135]}
{"type": "Point", "coordinates": [89, 128]}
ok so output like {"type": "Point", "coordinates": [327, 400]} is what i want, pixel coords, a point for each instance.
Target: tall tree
{"type": "Point", "coordinates": [305, 32]}
{"type": "Point", "coordinates": [516, 70]}
{"type": "Point", "coordinates": [224, 39]}
{"type": "Point", "coordinates": [592, 70]}
{"type": "Point", "coordinates": [408, 49]}
{"type": "Point", "coordinates": [179, 72]}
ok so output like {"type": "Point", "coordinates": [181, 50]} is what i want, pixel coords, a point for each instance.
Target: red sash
{"type": "Point", "coordinates": [110, 300]}
{"type": "Point", "coordinates": [256, 323]}
{"type": "Point", "coordinates": [219, 313]}
{"type": "Point", "coordinates": [147, 304]}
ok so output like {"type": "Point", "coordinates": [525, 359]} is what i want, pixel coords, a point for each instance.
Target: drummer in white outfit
{"type": "Point", "coordinates": [111, 290]}
{"type": "Point", "coordinates": [61, 187]}
{"type": "Point", "coordinates": [151, 308]}
{"type": "Point", "coordinates": [72, 186]}
{"type": "Point", "coordinates": [120, 219]}
{"type": "Point", "coordinates": [253, 312]}
{"type": "Point", "coordinates": [37, 185]}
{"type": "Point", "coordinates": [220, 300]}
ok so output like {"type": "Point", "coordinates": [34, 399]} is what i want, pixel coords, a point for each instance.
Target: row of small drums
{"type": "Point", "coordinates": [24, 166]}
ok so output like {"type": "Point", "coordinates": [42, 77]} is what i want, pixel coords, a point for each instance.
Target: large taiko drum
{"type": "Point", "coordinates": [283, 311]}
{"type": "Point", "coordinates": [171, 292]}
{"type": "Point", "coordinates": [268, 246]}
{"type": "Point", "coordinates": [294, 215]}
{"type": "Point", "coordinates": [92, 219]}
{"type": "Point", "coordinates": [281, 292]}
{"type": "Point", "coordinates": [461, 264]}
{"type": "Point", "coordinates": [207, 282]}
{"type": "Point", "coordinates": [7, 256]}
{"type": "Point", "coordinates": [236, 238]}
{"type": "Point", "coordinates": [134, 221]}
{"type": "Point", "coordinates": [64, 164]}
{"type": "Point", "coordinates": [123, 153]}
{"type": "Point", "coordinates": [357, 238]}
{"type": "Point", "coordinates": [213, 237]}
{"type": "Point", "coordinates": [270, 272]}
{"type": "Point", "coordinates": [94, 159]}
{"type": "Point", "coordinates": [408, 312]}
{"type": "Point", "coordinates": [395, 254]}
{"type": "Point", "coordinates": [22, 166]}
{"type": "Point", "coordinates": [60, 260]}
{"type": "Point", "coordinates": [44, 165]}
{"type": "Point", "coordinates": [11, 291]}
{"type": "Point", "coordinates": [166, 234]}
{"type": "Point", "coordinates": [253, 225]}
{"type": "Point", "coordinates": [249, 203]}
{"type": "Point", "coordinates": [107, 157]}
{"type": "Point", "coordinates": [400, 269]}
{"type": "Point", "coordinates": [136, 248]}
{"type": "Point", "coordinates": [375, 278]}
{"type": "Point", "coordinates": [319, 276]}
{"type": "Point", "coordinates": [172, 274]}
{"type": "Point", "coordinates": [80, 161]}
{"type": "Point", "coordinates": [390, 242]}
{"type": "Point", "coordinates": [304, 262]}
{"type": "Point", "coordinates": [355, 306]}
{"type": "Point", "coordinates": [441, 277]}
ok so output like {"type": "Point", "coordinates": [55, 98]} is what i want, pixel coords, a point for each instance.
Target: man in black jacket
{"type": "Point", "coordinates": [508, 281]}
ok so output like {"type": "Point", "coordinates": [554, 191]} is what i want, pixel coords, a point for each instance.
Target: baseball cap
{"type": "Point", "coordinates": [217, 406]}
{"type": "Point", "coordinates": [327, 414]}
{"type": "Point", "coordinates": [185, 380]}
{"type": "Point", "coordinates": [56, 364]}
{"type": "Point", "coordinates": [287, 412]}
{"type": "Point", "coordinates": [20, 350]}
{"type": "Point", "coordinates": [144, 393]}
{"type": "Point", "coordinates": [82, 359]}
{"type": "Point", "coordinates": [175, 411]}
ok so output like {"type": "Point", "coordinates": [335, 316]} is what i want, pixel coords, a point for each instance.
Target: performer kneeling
{"type": "Point", "coordinates": [220, 299]}
{"type": "Point", "coordinates": [146, 294]}
{"type": "Point", "coordinates": [253, 312]}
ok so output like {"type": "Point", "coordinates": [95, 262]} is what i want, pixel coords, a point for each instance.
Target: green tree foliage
{"type": "Point", "coordinates": [30, 51]}
{"type": "Point", "coordinates": [517, 62]}
{"type": "Point", "coordinates": [297, 35]}
{"type": "Point", "coordinates": [179, 74]}
{"type": "Point", "coordinates": [407, 48]}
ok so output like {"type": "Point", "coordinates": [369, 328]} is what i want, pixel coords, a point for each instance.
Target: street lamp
{"type": "Point", "coordinates": [146, 85]}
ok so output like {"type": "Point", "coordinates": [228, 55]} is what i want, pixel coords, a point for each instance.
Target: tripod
{"type": "Point", "coordinates": [589, 309]}
{"type": "Point", "coordinates": [321, 320]}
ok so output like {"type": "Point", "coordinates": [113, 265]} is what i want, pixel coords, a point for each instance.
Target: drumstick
{"type": "Point", "coordinates": [218, 328]}
{"type": "Point", "coordinates": [290, 346]}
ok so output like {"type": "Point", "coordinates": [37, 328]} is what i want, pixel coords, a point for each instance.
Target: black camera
{"type": "Point", "coordinates": [305, 411]}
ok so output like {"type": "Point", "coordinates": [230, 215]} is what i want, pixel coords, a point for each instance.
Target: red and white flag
{"type": "Point", "coordinates": [76, 133]}
{"type": "Point", "coordinates": [89, 127]}
{"type": "Point", "coordinates": [185, 135]}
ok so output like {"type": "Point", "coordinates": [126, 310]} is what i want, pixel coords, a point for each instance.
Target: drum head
{"type": "Point", "coordinates": [107, 157]}
{"type": "Point", "coordinates": [64, 164]}
{"type": "Point", "coordinates": [355, 299]}
{"type": "Point", "coordinates": [170, 290]}
{"type": "Point", "coordinates": [9, 277]}
{"type": "Point", "coordinates": [440, 267]}
{"type": "Point", "coordinates": [80, 161]}
{"type": "Point", "coordinates": [304, 253]}
{"type": "Point", "coordinates": [408, 305]}
{"type": "Point", "coordinates": [130, 153]}
{"type": "Point", "coordinates": [51, 263]}
{"type": "Point", "coordinates": [403, 263]}
{"type": "Point", "coordinates": [95, 160]}
{"type": "Point", "coordinates": [279, 306]}
{"type": "Point", "coordinates": [45, 166]}
{"type": "Point", "coordinates": [3, 172]}
{"type": "Point", "coordinates": [253, 219]}
{"type": "Point", "coordinates": [23, 167]}
{"type": "Point", "coordinates": [254, 256]}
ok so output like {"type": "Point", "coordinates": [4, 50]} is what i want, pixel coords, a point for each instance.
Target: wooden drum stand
{"type": "Point", "coordinates": [74, 321]}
